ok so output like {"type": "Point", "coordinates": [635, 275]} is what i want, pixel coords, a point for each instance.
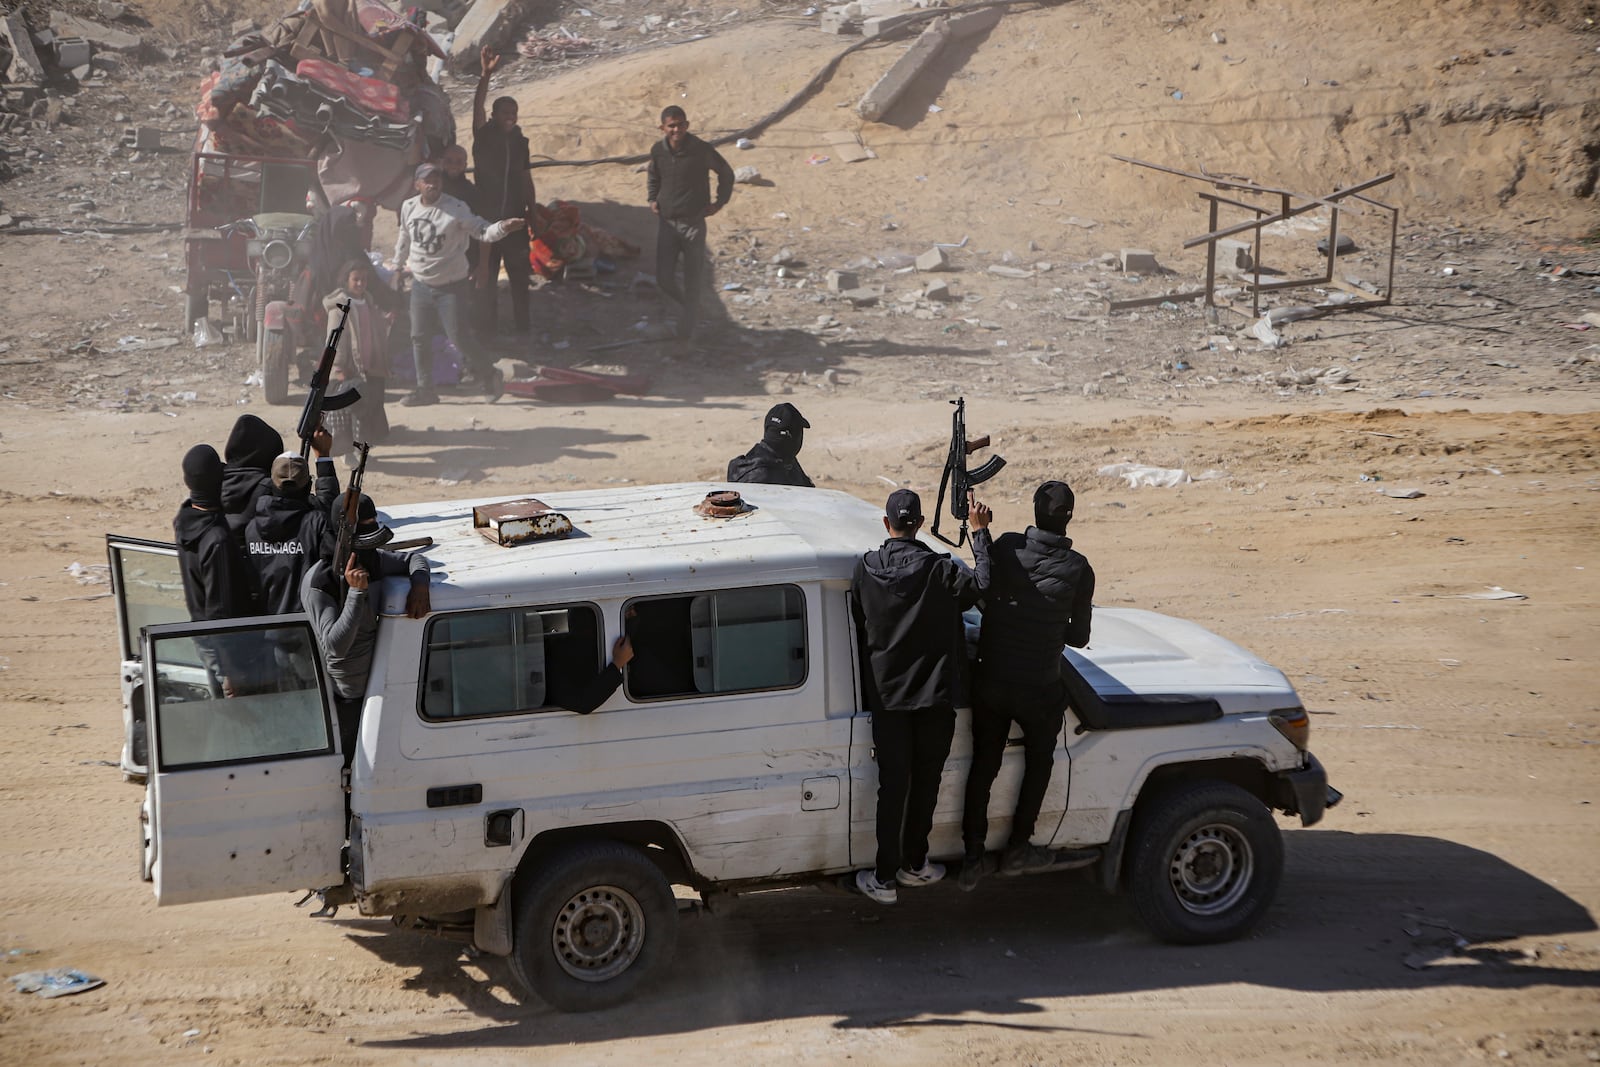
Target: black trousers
{"type": "Point", "coordinates": [512, 250]}
{"type": "Point", "coordinates": [683, 239]}
{"type": "Point", "coordinates": [996, 704]}
{"type": "Point", "coordinates": [911, 749]}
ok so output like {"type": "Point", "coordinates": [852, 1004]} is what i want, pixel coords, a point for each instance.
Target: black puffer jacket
{"type": "Point", "coordinates": [767, 465]}
{"type": "Point", "coordinates": [281, 543]}
{"type": "Point", "coordinates": [908, 601]}
{"type": "Point", "coordinates": [1038, 599]}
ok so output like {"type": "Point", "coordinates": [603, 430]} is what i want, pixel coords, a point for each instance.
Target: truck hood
{"type": "Point", "coordinates": [1133, 651]}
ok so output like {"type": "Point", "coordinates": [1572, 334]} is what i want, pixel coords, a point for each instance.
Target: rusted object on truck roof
{"type": "Point", "coordinates": [722, 505]}
{"type": "Point", "coordinates": [516, 522]}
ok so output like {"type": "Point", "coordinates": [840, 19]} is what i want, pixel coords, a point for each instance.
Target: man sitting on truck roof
{"type": "Point", "coordinates": [907, 601]}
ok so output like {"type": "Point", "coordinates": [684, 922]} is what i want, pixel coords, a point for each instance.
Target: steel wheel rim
{"type": "Point", "coordinates": [598, 933]}
{"type": "Point", "coordinates": [1211, 869]}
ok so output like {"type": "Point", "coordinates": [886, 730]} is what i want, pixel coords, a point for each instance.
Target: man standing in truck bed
{"type": "Point", "coordinates": [678, 189]}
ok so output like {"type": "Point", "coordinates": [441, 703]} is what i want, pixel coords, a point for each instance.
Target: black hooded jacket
{"type": "Point", "coordinates": [247, 475]}
{"type": "Point", "coordinates": [907, 600]}
{"type": "Point", "coordinates": [1039, 598]}
{"type": "Point", "coordinates": [767, 465]}
{"type": "Point", "coordinates": [216, 583]}
{"type": "Point", "coordinates": [282, 541]}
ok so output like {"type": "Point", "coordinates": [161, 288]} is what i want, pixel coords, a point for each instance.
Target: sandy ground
{"type": "Point", "coordinates": [1443, 914]}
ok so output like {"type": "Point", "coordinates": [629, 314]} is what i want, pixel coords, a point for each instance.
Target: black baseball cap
{"type": "Point", "coordinates": [786, 417]}
{"type": "Point", "coordinates": [903, 508]}
{"type": "Point", "coordinates": [1053, 500]}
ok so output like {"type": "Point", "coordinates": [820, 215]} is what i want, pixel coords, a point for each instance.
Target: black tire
{"type": "Point", "coordinates": [276, 355]}
{"type": "Point", "coordinates": [594, 923]}
{"type": "Point", "coordinates": [1204, 863]}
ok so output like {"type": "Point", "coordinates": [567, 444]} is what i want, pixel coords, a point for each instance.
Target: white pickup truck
{"type": "Point", "coordinates": [735, 755]}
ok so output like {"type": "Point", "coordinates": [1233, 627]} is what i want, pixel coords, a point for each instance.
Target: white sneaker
{"type": "Point", "coordinates": [868, 885]}
{"type": "Point", "coordinates": [929, 873]}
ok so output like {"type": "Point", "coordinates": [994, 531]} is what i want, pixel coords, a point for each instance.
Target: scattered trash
{"type": "Point", "coordinates": [1265, 334]}
{"type": "Point", "coordinates": [934, 109]}
{"type": "Point", "coordinates": [1403, 494]}
{"type": "Point", "coordinates": [60, 982]}
{"type": "Point", "coordinates": [140, 344]}
{"type": "Point", "coordinates": [1138, 474]}
{"type": "Point", "coordinates": [817, 160]}
{"type": "Point", "coordinates": [93, 574]}
{"type": "Point", "coordinates": [745, 143]}
{"type": "Point", "coordinates": [1494, 592]}
{"type": "Point", "coordinates": [206, 334]}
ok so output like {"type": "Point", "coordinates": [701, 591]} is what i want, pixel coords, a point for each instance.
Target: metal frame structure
{"type": "Point", "coordinates": [1335, 201]}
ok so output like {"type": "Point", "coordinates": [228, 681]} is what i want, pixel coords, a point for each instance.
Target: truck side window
{"type": "Point", "coordinates": [729, 641]}
{"type": "Point", "coordinates": [508, 662]}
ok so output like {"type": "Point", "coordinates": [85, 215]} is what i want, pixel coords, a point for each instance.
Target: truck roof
{"type": "Point", "coordinates": [637, 540]}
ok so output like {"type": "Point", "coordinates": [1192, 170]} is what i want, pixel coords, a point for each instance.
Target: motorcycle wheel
{"type": "Point", "coordinates": [276, 354]}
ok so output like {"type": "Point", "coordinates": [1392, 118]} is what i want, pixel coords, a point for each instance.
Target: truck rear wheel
{"type": "Point", "coordinates": [1205, 863]}
{"type": "Point", "coordinates": [595, 922]}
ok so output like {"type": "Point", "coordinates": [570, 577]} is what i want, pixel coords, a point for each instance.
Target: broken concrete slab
{"type": "Point", "coordinates": [1001, 270]}
{"type": "Point", "coordinates": [840, 281]}
{"type": "Point", "coordinates": [861, 298]}
{"type": "Point", "coordinates": [938, 289]}
{"type": "Point", "coordinates": [25, 67]}
{"type": "Point", "coordinates": [933, 259]}
{"type": "Point", "coordinates": [974, 22]}
{"type": "Point", "coordinates": [1138, 261]}
{"type": "Point", "coordinates": [746, 175]}
{"type": "Point", "coordinates": [111, 10]}
{"type": "Point", "coordinates": [890, 25]}
{"type": "Point", "coordinates": [881, 97]}
{"type": "Point", "coordinates": [66, 25]}
{"type": "Point", "coordinates": [484, 24]}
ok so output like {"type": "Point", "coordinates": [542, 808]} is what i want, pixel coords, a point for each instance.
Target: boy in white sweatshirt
{"type": "Point", "coordinates": [434, 232]}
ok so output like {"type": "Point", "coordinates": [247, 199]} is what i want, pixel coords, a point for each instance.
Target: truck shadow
{"type": "Point", "coordinates": [1355, 912]}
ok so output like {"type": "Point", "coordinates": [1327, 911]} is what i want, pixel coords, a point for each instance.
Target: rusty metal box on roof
{"type": "Point", "coordinates": [514, 522]}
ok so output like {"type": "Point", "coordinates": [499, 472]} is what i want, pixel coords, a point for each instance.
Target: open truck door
{"type": "Point", "coordinates": [148, 587]}
{"type": "Point", "coordinates": [246, 780]}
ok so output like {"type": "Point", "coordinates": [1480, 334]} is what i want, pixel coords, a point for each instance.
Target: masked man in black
{"type": "Point", "coordinates": [907, 601]}
{"type": "Point", "coordinates": [215, 579]}
{"type": "Point", "coordinates": [775, 459]}
{"type": "Point", "coordinates": [1038, 599]}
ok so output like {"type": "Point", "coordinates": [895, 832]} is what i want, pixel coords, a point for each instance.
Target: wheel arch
{"type": "Point", "coordinates": [657, 840]}
{"type": "Point", "coordinates": [1248, 772]}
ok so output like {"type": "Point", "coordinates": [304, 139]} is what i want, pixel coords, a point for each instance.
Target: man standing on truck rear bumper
{"type": "Point", "coordinates": [1038, 599]}
{"type": "Point", "coordinates": [907, 602]}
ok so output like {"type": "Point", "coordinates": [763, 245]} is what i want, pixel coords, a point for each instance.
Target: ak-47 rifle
{"type": "Point", "coordinates": [316, 402]}
{"type": "Point", "coordinates": [346, 537]}
{"type": "Point", "coordinates": [957, 478]}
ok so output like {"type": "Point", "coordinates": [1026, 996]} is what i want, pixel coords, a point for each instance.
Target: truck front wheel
{"type": "Point", "coordinates": [1206, 861]}
{"type": "Point", "coordinates": [593, 924]}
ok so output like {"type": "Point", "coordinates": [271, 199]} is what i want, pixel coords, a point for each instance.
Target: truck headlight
{"type": "Point", "coordinates": [1294, 724]}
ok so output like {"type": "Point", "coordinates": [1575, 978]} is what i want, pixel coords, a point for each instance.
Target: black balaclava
{"type": "Point", "coordinates": [252, 444]}
{"type": "Point", "coordinates": [785, 430]}
{"type": "Point", "coordinates": [202, 473]}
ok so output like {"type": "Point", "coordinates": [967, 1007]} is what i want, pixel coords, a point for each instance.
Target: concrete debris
{"type": "Point", "coordinates": [906, 70]}
{"type": "Point", "coordinates": [938, 290]}
{"type": "Point", "coordinates": [1138, 261]}
{"type": "Point", "coordinates": [746, 175]}
{"type": "Point", "coordinates": [66, 25]}
{"type": "Point", "coordinates": [933, 259]}
{"type": "Point", "coordinates": [1343, 246]}
{"type": "Point", "coordinates": [1000, 270]}
{"type": "Point", "coordinates": [861, 298]}
{"type": "Point", "coordinates": [840, 281]}
{"type": "Point", "coordinates": [25, 66]}
{"type": "Point", "coordinates": [485, 23]}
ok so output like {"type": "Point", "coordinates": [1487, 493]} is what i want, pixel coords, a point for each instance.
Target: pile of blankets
{"type": "Point", "coordinates": [269, 97]}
